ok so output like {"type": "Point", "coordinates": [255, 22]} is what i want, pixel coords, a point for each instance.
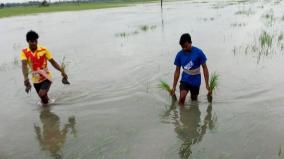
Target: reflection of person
{"type": "Point", "coordinates": [52, 138]}
{"type": "Point", "coordinates": [36, 56]}
{"type": "Point", "coordinates": [190, 129]}
{"type": "Point", "coordinates": [190, 58]}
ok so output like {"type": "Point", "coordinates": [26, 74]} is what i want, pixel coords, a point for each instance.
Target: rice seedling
{"type": "Point", "coordinates": [269, 17]}
{"type": "Point", "coordinates": [123, 34]}
{"type": "Point", "coordinates": [245, 12]}
{"type": "Point", "coordinates": [165, 86]}
{"type": "Point", "coordinates": [63, 64]}
{"type": "Point", "coordinates": [213, 84]}
{"type": "Point", "coordinates": [63, 67]}
{"type": "Point", "coordinates": [144, 27]}
{"type": "Point", "coordinates": [265, 39]}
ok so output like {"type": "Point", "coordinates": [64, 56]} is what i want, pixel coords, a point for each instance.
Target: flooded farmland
{"type": "Point", "coordinates": [115, 59]}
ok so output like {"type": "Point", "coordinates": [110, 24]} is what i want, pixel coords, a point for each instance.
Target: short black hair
{"type": "Point", "coordinates": [185, 38]}
{"type": "Point", "coordinates": [31, 35]}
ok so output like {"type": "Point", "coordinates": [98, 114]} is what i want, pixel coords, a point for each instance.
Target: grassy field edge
{"type": "Point", "coordinates": [26, 10]}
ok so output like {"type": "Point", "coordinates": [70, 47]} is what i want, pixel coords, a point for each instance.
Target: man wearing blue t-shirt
{"type": "Point", "coordinates": [190, 58]}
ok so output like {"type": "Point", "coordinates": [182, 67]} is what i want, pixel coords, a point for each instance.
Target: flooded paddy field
{"type": "Point", "coordinates": [115, 60]}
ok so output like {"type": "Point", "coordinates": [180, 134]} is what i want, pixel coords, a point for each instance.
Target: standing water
{"type": "Point", "coordinates": [115, 59]}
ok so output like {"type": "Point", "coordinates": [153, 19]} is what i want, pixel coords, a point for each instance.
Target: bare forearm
{"type": "Point", "coordinates": [206, 75]}
{"type": "Point", "coordinates": [56, 65]}
{"type": "Point", "coordinates": [176, 77]}
{"type": "Point", "coordinates": [25, 70]}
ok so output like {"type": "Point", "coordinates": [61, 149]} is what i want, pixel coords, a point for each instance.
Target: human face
{"type": "Point", "coordinates": [33, 44]}
{"type": "Point", "coordinates": [186, 46]}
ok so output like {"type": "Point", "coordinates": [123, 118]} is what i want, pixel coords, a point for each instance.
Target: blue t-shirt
{"type": "Point", "coordinates": [190, 60]}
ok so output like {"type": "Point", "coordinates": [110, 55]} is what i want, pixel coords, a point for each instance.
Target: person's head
{"type": "Point", "coordinates": [31, 38]}
{"type": "Point", "coordinates": [185, 42]}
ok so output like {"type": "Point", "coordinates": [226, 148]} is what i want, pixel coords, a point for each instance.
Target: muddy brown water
{"type": "Point", "coordinates": [115, 59]}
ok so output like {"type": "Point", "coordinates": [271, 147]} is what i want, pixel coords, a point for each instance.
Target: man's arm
{"type": "Point", "coordinates": [25, 71]}
{"type": "Point", "coordinates": [206, 75]}
{"type": "Point", "coordinates": [56, 66]}
{"type": "Point", "coordinates": [176, 77]}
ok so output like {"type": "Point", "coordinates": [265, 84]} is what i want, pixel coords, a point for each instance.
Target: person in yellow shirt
{"type": "Point", "coordinates": [35, 57]}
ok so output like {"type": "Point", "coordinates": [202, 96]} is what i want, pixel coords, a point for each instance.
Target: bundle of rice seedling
{"type": "Point", "coordinates": [165, 86]}
{"type": "Point", "coordinates": [213, 83]}
{"type": "Point", "coordinates": [63, 64]}
{"type": "Point", "coordinates": [63, 68]}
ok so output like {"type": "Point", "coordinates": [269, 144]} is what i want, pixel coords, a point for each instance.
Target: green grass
{"type": "Point", "coordinates": [165, 86]}
{"type": "Point", "coordinates": [265, 39]}
{"type": "Point", "coordinates": [16, 11]}
{"type": "Point", "coordinates": [213, 82]}
{"type": "Point", "coordinates": [147, 27]}
{"type": "Point", "coordinates": [244, 12]}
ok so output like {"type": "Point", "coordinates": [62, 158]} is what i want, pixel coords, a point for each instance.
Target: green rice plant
{"type": "Point", "coordinates": [144, 27]}
{"type": "Point", "coordinates": [147, 27]}
{"type": "Point", "coordinates": [123, 34]}
{"type": "Point", "coordinates": [165, 86]}
{"type": "Point", "coordinates": [269, 17]}
{"type": "Point", "coordinates": [245, 12]}
{"type": "Point", "coordinates": [213, 82]}
{"type": "Point", "coordinates": [265, 39]}
{"type": "Point", "coordinates": [63, 64]}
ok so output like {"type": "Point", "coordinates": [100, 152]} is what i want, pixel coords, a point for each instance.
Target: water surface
{"type": "Point", "coordinates": [115, 59]}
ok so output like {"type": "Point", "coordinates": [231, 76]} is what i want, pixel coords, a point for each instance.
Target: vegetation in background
{"type": "Point", "coordinates": [143, 28]}
{"type": "Point", "coordinates": [265, 39]}
{"type": "Point", "coordinates": [67, 6]}
{"type": "Point", "coordinates": [238, 24]}
{"type": "Point", "coordinates": [265, 43]}
{"type": "Point", "coordinates": [245, 12]}
{"type": "Point", "coordinates": [147, 27]}
{"type": "Point", "coordinates": [269, 17]}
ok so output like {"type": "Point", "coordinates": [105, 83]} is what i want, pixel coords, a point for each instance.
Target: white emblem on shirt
{"type": "Point", "coordinates": [189, 65]}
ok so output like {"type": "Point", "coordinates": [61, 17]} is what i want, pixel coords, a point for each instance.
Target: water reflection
{"type": "Point", "coordinates": [51, 137]}
{"type": "Point", "coordinates": [189, 127]}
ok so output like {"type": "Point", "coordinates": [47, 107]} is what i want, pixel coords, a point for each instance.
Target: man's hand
{"type": "Point", "coordinates": [28, 85]}
{"type": "Point", "coordinates": [65, 78]}
{"type": "Point", "coordinates": [207, 87]}
{"type": "Point", "coordinates": [173, 91]}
